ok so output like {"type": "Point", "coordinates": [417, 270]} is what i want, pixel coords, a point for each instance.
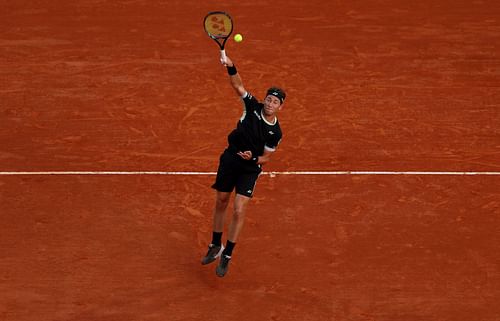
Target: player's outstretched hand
{"type": "Point", "coordinates": [227, 62]}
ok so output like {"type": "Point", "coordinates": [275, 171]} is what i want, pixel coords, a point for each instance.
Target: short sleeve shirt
{"type": "Point", "coordinates": [253, 132]}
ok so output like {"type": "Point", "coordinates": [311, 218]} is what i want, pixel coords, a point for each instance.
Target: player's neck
{"type": "Point", "coordinates": [271, 119]}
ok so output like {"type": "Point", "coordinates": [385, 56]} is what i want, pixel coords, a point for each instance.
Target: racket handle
{"type": "Point", "coordinates": [223, 56]}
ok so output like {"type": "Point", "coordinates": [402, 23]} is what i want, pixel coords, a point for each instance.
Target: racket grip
{"type": "Point", "coordinates": [223, 56]}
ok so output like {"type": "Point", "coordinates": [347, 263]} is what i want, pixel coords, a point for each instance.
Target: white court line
{"type": "Point", "coordinates": [263, 173]}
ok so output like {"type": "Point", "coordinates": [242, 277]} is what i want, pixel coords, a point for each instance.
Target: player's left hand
{"type": "Point", "coordinates": [246, 155]}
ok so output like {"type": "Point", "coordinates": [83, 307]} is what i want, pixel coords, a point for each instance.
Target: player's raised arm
{"type": "Point", "coordinates": [234, 77]}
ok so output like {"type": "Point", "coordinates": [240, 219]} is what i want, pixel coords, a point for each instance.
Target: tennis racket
{"type": "Point", "coordinates": [219, 27]}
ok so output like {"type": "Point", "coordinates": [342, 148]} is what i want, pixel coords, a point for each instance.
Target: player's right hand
{"type": "Point", "coordinates": [227, 62]}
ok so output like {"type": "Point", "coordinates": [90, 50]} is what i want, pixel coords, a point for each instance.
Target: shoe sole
{"type": "Point", "coordinates": [206, 261]}
{"type": "Point", "coordinates": [219, 273]}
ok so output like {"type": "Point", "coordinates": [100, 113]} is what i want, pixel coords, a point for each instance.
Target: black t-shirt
{"type": "Point", "coordinates": [252, 131]}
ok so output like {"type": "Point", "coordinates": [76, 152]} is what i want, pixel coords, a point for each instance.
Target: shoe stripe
{"type": "Point", "coordinates": [220, 252]}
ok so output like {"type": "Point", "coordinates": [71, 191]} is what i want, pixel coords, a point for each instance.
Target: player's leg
{"type": "Point", "coordinates": [235, 227]}
{"type": "Point", "coordinates": [215, 247]}
{"type": "Point", "coordinates": [238, 218]}
{"type": "Point", "coordinates": [221, 202]}
{"type": "Point", "coordinates": [244, 191]}
{"type": "Point", "coordinates": [224, 185]}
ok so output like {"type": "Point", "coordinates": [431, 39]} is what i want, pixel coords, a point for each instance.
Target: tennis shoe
{"type": "Point", "coordinates": [223, 266]}
{"type": "Point", "coordinates": [214, 251]}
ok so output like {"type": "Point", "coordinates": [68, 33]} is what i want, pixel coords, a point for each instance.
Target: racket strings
{"type": "Point", "coordinates": [218, 25]}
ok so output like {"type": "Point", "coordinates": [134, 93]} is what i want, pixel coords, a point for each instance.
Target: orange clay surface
{"type": "Point", "coordinates": [389, 85]}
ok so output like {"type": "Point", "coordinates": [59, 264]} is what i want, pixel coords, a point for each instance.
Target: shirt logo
{"type": "Point", "coordinates": [271, 132]}
{"type": "Point", "coordinates": [257, 114]}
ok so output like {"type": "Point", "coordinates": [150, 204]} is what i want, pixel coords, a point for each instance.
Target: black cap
{"type": "Point", "coordinates": [277, 92]}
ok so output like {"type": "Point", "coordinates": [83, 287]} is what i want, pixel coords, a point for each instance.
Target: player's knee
{"type": "Point", "coordinates": [222, 200]}
{"type": "Point", "coordinates": [239, 213]}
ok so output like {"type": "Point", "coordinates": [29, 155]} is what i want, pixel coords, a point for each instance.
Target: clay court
{"type": "Point", "coordinates": [136, 87]}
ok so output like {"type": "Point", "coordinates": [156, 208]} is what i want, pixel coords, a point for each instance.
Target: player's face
{"type": "Point", "coordinates": [271, 105]}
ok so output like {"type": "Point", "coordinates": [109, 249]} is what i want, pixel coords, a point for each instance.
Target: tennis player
{"type": "Point", "coordinates": [250, 145]}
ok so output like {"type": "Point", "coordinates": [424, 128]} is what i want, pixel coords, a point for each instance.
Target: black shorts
{"type": "Point", "coordinates": [235, 172]}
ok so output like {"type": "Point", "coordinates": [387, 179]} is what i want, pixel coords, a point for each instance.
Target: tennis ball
{"type": "Point", "coordinates": [238, 37]}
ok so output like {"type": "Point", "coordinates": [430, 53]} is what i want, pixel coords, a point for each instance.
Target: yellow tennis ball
{"type": "Point", "coordinates": [238, 37]}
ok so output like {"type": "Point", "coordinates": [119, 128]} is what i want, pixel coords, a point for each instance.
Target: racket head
{"type": "Point", "coordinates": [218, 25]}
